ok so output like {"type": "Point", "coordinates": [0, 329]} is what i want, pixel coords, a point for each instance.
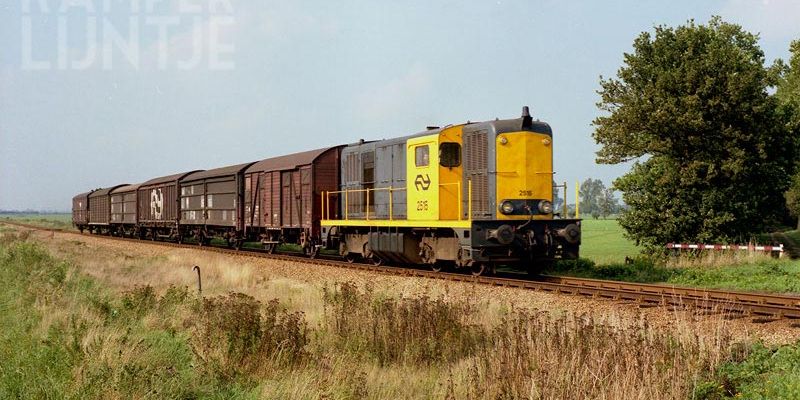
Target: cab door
{"type": "Point", "coordinates": [422, 178]}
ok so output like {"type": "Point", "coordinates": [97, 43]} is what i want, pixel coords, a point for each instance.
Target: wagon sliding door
{"type": "Point", "coordinates": [291, 199]}
{"type": "Point", "coordinates": [221, 201]}
{"type": "Point", "coordinates": [272, 199]}
{"type": "Point", "coordinates": [193, 203]}
{"type": "Point", "coordinates": [306, 197]}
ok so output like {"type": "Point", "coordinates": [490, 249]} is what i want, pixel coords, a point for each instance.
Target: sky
{"type": "Point", "coordinates": [104, 92]}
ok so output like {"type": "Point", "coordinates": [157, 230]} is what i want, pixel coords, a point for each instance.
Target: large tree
{"type": "Point", "coordinates": [788, 94]}
{"type": "Point", "coordinates": [691, 105]}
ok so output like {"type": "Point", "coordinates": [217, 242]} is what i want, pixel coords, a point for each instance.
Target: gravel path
{"type": "Point", "coordinates": [123, 265]}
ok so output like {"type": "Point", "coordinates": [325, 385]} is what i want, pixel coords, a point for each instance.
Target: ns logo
{"type": "Point", "coordinates": [156, 204]}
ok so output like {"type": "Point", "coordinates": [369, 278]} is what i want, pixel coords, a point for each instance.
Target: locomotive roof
{"type": "Point", "coordinates": [217, 172]}
{"type": "Point", "coordinates": [105, 191]}
{"type": "Point", "coordinates": [290, 161]}
{"type": "Point", "coordinates": [514, 125]}
{"type": "Point", "coordinates": [498, 126]}
{"type": "Point", "coordinates": [168, 178]}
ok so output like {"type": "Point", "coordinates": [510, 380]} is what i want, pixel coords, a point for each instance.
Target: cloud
{"type": "Point", "coordinates": [773, 19]}
{"type": "Point", "coordinates": [394, 96]}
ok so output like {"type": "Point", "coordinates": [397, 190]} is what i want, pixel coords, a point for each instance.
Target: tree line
{"type": "Point", "coordinates": [713, 131]}
{"type": "Point", "coordinates": [594, 197]}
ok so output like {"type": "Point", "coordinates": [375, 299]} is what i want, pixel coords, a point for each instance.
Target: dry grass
{"type": "Point", "coordinates": [717, 258]}
{"type": "Point", "coordinates": [378, 340]}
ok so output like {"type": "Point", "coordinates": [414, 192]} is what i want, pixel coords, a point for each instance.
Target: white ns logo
{"type": "Point", "coordinates": [156, 203]}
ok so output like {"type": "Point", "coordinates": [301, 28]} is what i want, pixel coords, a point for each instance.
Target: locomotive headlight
{"type": "Point", "coordinates": [545, 207]}
{"type": "Point", "coordinates": [507, 207]}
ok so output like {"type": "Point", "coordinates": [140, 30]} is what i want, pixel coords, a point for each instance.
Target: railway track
{"type": "Point", "coordinates": [732, 303]}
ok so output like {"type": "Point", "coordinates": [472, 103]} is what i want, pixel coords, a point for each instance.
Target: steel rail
{"type": "Point", "coordinates": [735, 302]}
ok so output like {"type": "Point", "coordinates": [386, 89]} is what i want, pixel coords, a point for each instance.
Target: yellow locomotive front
{"type": "Point", "coordinates": [510, 166]}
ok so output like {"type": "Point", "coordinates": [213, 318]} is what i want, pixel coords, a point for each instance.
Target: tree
{"type": "Point", "coordinates": [713, 156]}
{"type": "Point", "coordinates": [608, 203]}
{"type": "Point", "coordinates": [788, 93]}
{"type": "Point", "coordinates": [558, 202]}
{"type": "Point", "coordinates": [591, 193]}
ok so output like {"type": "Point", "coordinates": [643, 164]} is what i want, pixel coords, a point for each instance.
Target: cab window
{"type": "Point", "coordinates": [450, 154]}
{"type": "Point", "coordinates": [422, 157]}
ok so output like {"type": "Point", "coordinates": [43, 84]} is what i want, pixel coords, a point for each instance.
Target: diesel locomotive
{"type": "Point", "coordinates": [474, 195]}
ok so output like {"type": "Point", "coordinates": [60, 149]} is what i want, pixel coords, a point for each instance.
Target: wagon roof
{"type": "Point", "coordinates": [217, 172]}
{"type": "Point", "coordinates": [126, 188]}
{"type": "Point", "coordinates": [82, 195]}
{"type": "Point", "coordinates": [168, 178]}
{"type": "Point", "coordinates": [290, 161]}
{"type": "Point", "coordinates": [105, 191]}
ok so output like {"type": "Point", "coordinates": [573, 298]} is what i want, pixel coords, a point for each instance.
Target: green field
{"type": "Point", "coordinates": [56, 221]}
{"type": "Point", "coordinates": [602, 242]}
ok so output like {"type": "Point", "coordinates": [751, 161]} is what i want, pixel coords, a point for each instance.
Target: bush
{"type": "Point", "coordinates": [640, 269]}
{"type": "Point", "coordinates": [232, 337]}
{"type": "Point", "coordinates": [412, 330]}
{"type": "Point", "coordinates": [767, 373]}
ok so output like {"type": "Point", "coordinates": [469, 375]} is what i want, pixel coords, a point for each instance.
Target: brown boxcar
{"type": "Point", "coordinates": [100, 208]}
{"type": "Point", "coordinates": [124, 210]}
{"type": "Point", "coordinates": [80, 210]}
{"type": "Point", "coordinates": [159, 206]}
{"type": "Point", "coordinates": [212, 203]}
{"type": "Point", "coordinates": [283, 196]}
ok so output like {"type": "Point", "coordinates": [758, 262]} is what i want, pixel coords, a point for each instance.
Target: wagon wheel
{"type": "Point", "coordinates": [350, 257]}
{"type": "Point", "coordinates": [270, 248]}
{"type": "Point", "coordinates": [376, 261]}
{"type": "Point", "coordinates": [237, 244]}
{"type": "Point", "coordinates": [477, 269]}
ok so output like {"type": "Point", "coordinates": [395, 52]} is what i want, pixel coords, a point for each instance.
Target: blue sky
{"type": "Point", "coordinates": [291, 76]}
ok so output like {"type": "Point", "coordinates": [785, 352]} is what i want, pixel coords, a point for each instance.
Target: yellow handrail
{"type": "Point", "coordinates": [327, 194]}
{"type": "Point", "coordinates": [469, 200]}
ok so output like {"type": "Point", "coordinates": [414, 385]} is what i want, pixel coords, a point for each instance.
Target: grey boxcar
{"type": "Point", "coordinates": [212, 204]}
{"type": "Point", "coordinates": [100, 209]}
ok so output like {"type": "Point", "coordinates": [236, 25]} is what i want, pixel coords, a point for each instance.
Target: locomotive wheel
{"type": "Point", "coordinates": [237, 244]}
{"type": "Point", "coordinates": [270, 248]}
{"type": "Point", "coordinates": [376, 261]}
{"type": "Point", "coordinates": [477, 269]}
{"type": "Point", "coordinates": [350, 258]}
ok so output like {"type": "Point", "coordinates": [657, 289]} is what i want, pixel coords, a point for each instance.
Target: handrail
{"type": "Point", "coordinates": [326, 202]}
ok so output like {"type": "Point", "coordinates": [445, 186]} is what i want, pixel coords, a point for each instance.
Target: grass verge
{"type": "Point", "coordinates": [759, 275]}
{"type": "Point", "coordinates": [70, 337]}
